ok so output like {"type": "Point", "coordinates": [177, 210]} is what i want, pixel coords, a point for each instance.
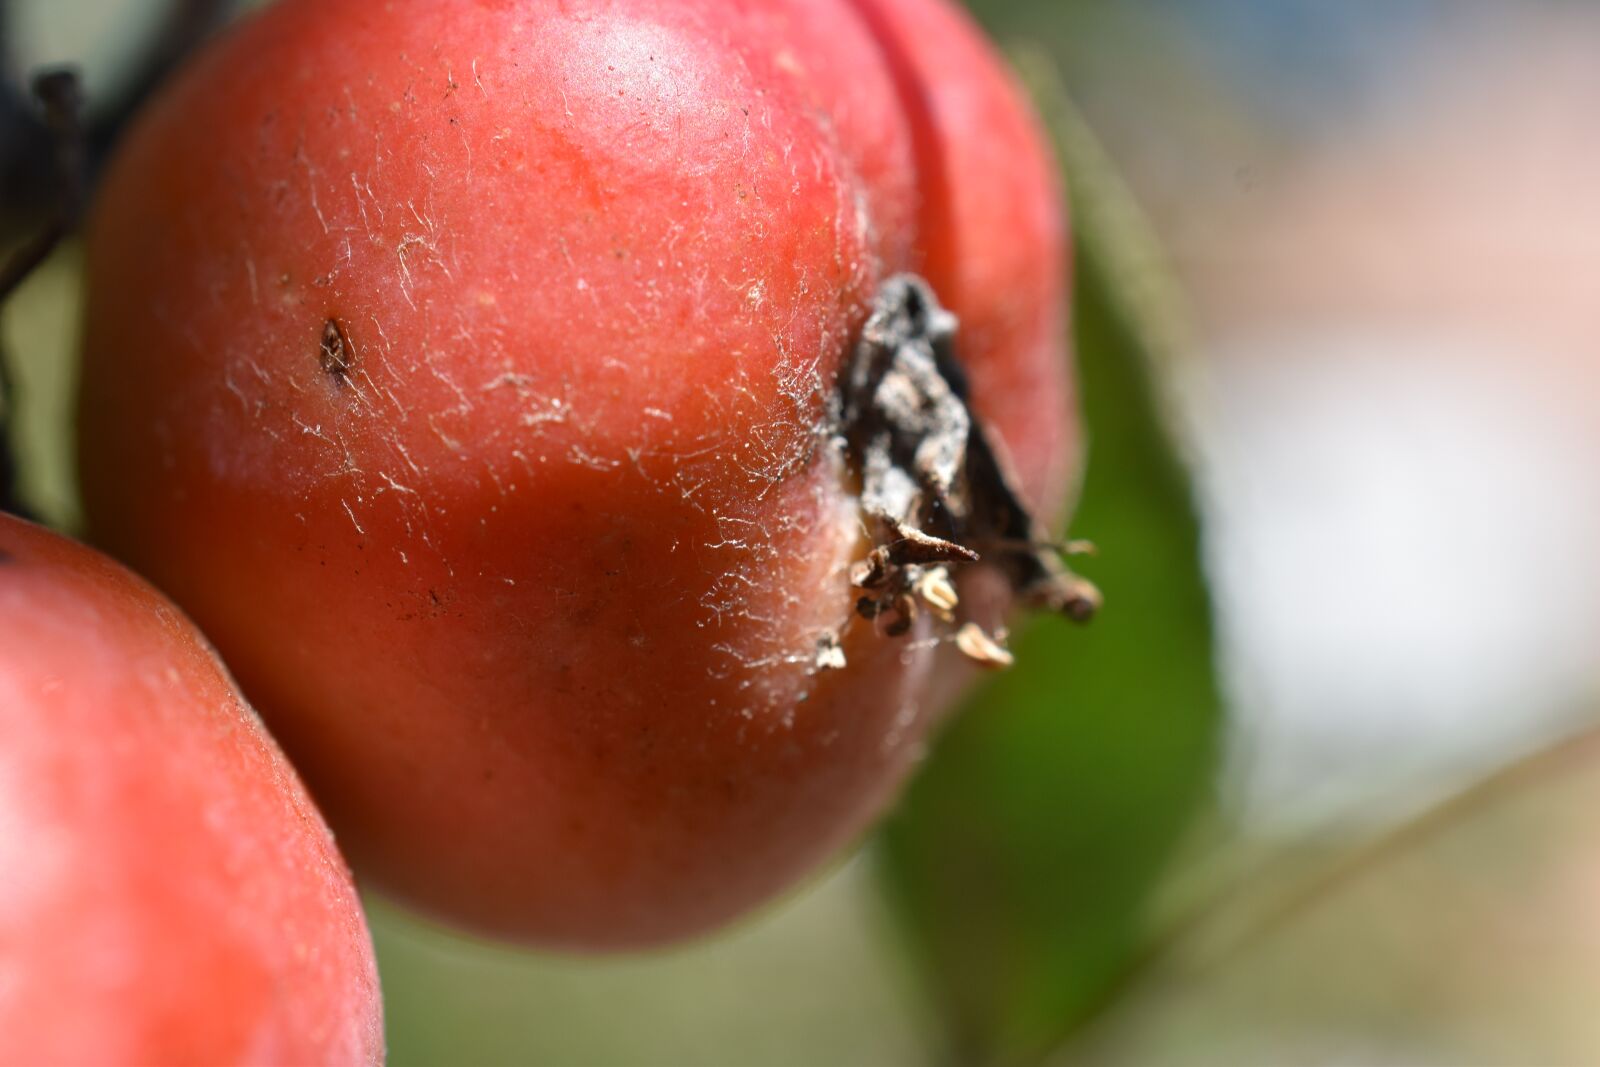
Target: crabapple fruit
{"type": "Point", "coordinates": [170, 894]}
{"type": "Point", "coordinates": [533, 401]}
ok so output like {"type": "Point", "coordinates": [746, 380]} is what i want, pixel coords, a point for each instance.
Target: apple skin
{"type": "Point", "coordinates": [170, 893]}
{"type": "Point", "coordinates": [463, 367]}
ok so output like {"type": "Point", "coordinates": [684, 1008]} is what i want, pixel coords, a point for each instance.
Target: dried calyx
{"type": "Point", "coordinates": [934, 488]}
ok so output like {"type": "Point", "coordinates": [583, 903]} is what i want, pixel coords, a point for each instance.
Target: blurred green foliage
{"type": "Point", "coordinates": [1023, 858]}
{"type": "Point", "coordinates": [805, 982]}
{"type": "Point", "coordinates": [1466, 936]}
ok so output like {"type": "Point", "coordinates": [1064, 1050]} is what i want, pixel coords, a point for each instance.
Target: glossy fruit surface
{"type": "Point", "coordinates": [170, 894]}
{"type": "Point", "coordinates": [464, 367]}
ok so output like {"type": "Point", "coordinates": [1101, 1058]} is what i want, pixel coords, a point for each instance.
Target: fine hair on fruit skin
{"type": "Point", "coordinates": [473, 388]}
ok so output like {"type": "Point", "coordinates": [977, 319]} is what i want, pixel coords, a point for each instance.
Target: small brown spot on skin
{"type": "Point", "coordinates": [336, 353]}
{"type": "Point", "coordinates": [6, 557]}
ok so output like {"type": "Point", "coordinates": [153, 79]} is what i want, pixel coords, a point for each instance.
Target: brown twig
{"type": "Point", "coordinates": [60, 97]}
{"type": "Point", "coordinates": [26, 178]}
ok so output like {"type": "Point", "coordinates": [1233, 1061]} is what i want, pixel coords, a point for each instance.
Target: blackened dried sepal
{"type": "Point", "coordinates": [934, 487]}
{"type": "Point", "coordinates": [1026, 554]}
{"type": "Point", "coordinates": [905, 429]}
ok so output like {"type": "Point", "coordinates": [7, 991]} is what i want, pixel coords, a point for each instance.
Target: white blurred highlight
{"type": "Point", "coordinates": [1402, 435]}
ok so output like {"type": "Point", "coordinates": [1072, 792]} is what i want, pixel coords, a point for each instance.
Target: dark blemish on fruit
{"type": "Point", "coordinates": [934, 488]}
{"type": "Point", "coordinates": [336, 353]}
{"type": "Point", "coordinates": [6, 557]}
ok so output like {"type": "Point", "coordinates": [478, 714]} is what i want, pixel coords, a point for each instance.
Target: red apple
{"type": "Point", "coordinates": [469, 369]}
{"type": "Point", "coordinates": [170, 894]}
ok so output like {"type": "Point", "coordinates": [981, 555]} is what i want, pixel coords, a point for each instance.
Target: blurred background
{"type": "Point", "coordinates": [1320, 787]}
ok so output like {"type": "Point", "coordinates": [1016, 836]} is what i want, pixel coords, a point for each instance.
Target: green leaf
{"type": "Point", "coordinates": [1022, 863]}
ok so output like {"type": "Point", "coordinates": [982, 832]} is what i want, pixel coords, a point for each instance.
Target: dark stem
{"type": "Point", "coordinates": [48, 153]}
{"type": "Point", "coordinates": [27, 181]}
{"type": "Point", "coordinates": [60, 97]}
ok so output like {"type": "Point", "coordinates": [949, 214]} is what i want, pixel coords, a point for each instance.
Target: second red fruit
{"type": "Point", "coordinates": [168, 894]}
{"type": "Point", "coordinates": [469, 370]}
